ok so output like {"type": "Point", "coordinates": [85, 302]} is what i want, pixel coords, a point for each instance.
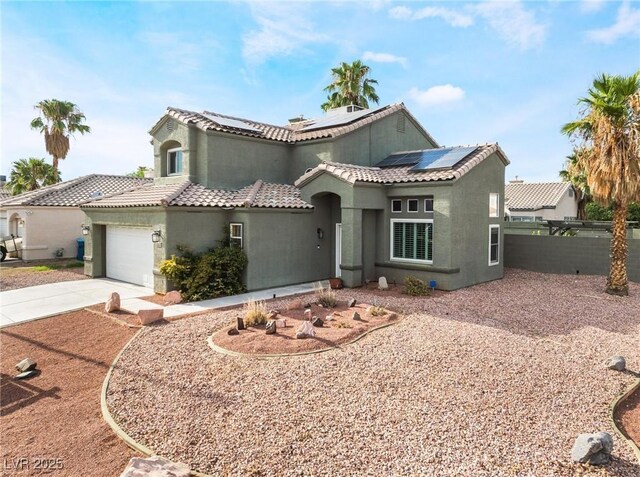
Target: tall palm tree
{"type": "Point", "coordinates": [609, 129]}
{"type": "Point", "coordinates": [31, 174]}
{"type": "Point", "coordinates": [574, 172]}
{"type": "Point", "coordinates": [350, 85]}
{"type": "Point", "coordinates": [57, 121]}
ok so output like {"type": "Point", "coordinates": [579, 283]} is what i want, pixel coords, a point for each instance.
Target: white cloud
{"type": "Point", "coordinates": [513, 23]}
{"type": "Point", "coordinates": [383, 58]}
{"type": "Point", "coordinates": [627, 24]}
{"type": "Point", "coordinates": [184, 55]}
{"type": "Point", "coordinates": [436, 95]}
{"type": "Point", "coordinates": [283, 30]}
{"type": "Point", "coordinates": [591, 6]}
{"type": "Point", "coordinates": [453, 18]}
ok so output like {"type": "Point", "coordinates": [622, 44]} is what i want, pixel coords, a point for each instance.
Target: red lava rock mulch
{"type": "Point", "coordinates": [627, 416]}
{"type": "Point", "coordinates": [340, 330]}
{"type": "Point", "coordinates": [56, 415]}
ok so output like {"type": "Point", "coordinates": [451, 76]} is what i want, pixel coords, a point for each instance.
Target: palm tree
{"type": "Point", "coordinates": [609, 130]}
{"type": "Point", "coordinates": [350, 85]}
{"type": "Point", "coordinates": [140, 172]}
{"type": "Point", "coordinates": [574, 172]}
{"type": "Point", "coordinates": [58, 120]}
{"type": "Point", "coordinates": [31, 174]}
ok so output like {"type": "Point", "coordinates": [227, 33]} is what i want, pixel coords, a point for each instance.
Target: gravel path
{"type": "Point", "coordinates": [497, 379]}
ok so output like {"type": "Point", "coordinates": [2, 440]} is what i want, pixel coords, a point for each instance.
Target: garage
{"type": "Point", "coordinates": [130, 255]}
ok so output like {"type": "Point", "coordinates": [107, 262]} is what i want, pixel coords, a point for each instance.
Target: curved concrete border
{"type": "Point", "coordinates": [136, 446]}
{"type": "Point", "coordinates": [614, 405]}
{"type": "Point", "coordinates": [228, 352]}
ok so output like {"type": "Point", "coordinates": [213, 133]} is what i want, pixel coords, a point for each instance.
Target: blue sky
{"type": "Point", "coordinates": [471, 72]}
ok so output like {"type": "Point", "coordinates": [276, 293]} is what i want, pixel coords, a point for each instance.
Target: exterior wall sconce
{"type": "Point", "coordinates": [320, 233]}
{"type": "Point", "coordinates": [156, 236]}
{"type": "Point", "coordinates": [85, 229]}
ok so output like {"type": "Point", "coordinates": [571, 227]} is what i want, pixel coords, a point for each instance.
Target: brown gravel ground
{"type": "Point", "coordinates": [628, 416]}
{"type": "Point", "coordinates": [56, 415]}
{"type": "Point", "coordinates": [497, 379]}
{"type": "Point", "coordinates": [22, 274]}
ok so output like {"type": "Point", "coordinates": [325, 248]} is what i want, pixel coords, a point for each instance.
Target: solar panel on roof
{"type": "Point", "coordinates": [232, 123]}
{"type": "Point", "coordinates": [444, 158]}
{"type": "Point", "coordinates": [336, 120]}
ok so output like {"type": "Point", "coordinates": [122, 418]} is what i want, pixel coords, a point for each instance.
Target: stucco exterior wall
{"type": "Point", "coordinates": [47, 229]}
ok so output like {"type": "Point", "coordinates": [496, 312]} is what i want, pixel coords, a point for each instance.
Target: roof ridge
{"type": "Point", "coordinates": [182, 187]}
{"type": "Point", "coordinates": [43, 191]}
{"type": "Point", "coordinates": [226, 116]}
{"type": "Point", "coordinates": [113, 194]}
{"type": "Point", "coordinates": [253, 192]}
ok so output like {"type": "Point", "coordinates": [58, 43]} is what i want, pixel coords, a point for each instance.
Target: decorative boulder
{"type": "Point", "coordinates": [307, 314]}
{"type": "Point", "coordinates": [270, 327]}
{"type": "Point", "coordinates": [273, 314]}
{"type": "Point", "coordinates": [307, 329]}
{"type": "Point", "coordinates": [233, 332]}
{"type": "Point", "coordinates": [281, 323]}
{"type": "Point", "coordinates": [156, 466]}
{"type": "Point", "coordinates": [592, 448]}
{"type": "Point", "coordinates": [317, 322]}
{"type": "Point", "coordinates": [352, 302]}
{"type": "Point", "coordinates": [113, 303]}
{"type": "Point", "coordinates": [26, 364]}
{"type": "Point", "coordinates": [617, 363]}
{"type": "Point", "coordinates": [300, 335]}
{"type": "Point", "coordinates": [356, 316]}
{"type": "Point", "coordinates": [150, 316]}
{"type": "Point", "coordinates": [382, 284]}
{"type": "Point", "coordinates": [240, 323]}
{"type": "Point", "coordinates": [173, 298]}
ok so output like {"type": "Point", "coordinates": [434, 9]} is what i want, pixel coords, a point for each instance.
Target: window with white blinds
{"type": "Point", "coordinates": [412, 240]}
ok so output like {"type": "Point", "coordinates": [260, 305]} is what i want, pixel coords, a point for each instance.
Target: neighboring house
{"type": "Point", "coordinates": [311, 200]}
{"type": "Point", "coordinates": [529, 202]}
{"type": "Point", "coordinates": [49, 219]}
{"type": "Point", "coordinates": [4, 225]}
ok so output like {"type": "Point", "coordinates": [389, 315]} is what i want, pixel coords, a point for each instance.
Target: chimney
{"type": "Point", "coordinates": [516, 181]}
{"type": "Point", "coordinates": [297, 119]}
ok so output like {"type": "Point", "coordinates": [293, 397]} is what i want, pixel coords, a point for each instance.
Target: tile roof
{"type": "Point", "coordinates": [534, 196]}
{"type": "Point", "coordinates": [188, 194]}
{"type": "Point", "coordinates": [75, 192]}
{"type": "Point", "coordinates": [393, 175]}
{"type": "Point", "coordinates": [291, 133]}
{"type": "Point", "coordinates": [5, 194]}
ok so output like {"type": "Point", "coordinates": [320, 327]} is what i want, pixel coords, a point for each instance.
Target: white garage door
{"type": "Point", "coordinates": [130, 255]}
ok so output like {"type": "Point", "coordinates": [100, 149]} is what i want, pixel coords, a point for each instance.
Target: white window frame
{"type": "Point", "coordinates": [409, 260]}
{"type": "Point", "coordinates": [394, 201]}
{"type": "Point", "coordinates": [236, 237]}
{"type": "Point", "coordinates": [497, 262]}
{"type": "Point", "coordinates": [409, 201]}
{"type": "Point", "coordinates": [169, 151]}
{"type": "Point", "coordinates": [429, 199]}
{"type": "Point", "coordinates": [494, 196]}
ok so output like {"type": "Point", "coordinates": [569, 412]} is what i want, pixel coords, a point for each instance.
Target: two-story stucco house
{"type": "Point", "coordinates": [355, 194]}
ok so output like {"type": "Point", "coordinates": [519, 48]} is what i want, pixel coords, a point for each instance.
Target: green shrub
{"type": "Point", "coordinates": [415, 287]}
{"type": "Point", "coordinates": [215, 273]}
{"type": "Point", "coordinates": [326, 297]}
{"type": "Point", "coordinates": [255, 313]}
{"type": "Point", "coordinates": [598, 212]}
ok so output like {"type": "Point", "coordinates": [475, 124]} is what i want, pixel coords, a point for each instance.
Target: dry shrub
{"type": "Point", "coordinates": [415, 287]}
{"type": "Point", "coordinates": [295, 304]}
{"type": "Point", "coordinates": [255, 313]}
{"type": "Point", "coordinates": [326, 297]}
{"type": "Point", "coordinates": [376, 311]}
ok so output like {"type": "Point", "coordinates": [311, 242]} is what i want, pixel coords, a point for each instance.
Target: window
{"type": "Point", "coordinates": [236, 235]}
{"type": "Point", "coordinates": [521, 218]}
{"type": "Point", "coordinates": [428, 204]}
{"type": "Point", "coordinates": [494, 204]}
{"type": "Point", "coordinates": [570, 192]}
{"type": "Point", "coordinates": [396, 205]}
{"type": "Point", "coordinates": [174, 162]}
{"type": "Point", "coordinates": [494, 244]}
{"type": "Point", "coordinates": [412, 205]}
{"type": "Point", "coordinates": [538, 218]}
{"type": "Point", "coordinates": [412, 240]}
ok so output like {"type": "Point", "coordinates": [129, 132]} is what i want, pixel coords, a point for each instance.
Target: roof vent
{"type": "Point", "coordinates": [95, 195]}
{"type": "Point", "coordinates": [297, 119]}
{"type": "Point", "coordinates": [170, 125]}
{"type": "Point", "coordinates": [516, 181]}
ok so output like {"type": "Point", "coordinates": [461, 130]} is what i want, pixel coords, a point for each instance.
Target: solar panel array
{"type": "Point", "coordinates": [429, 159]}
{"type": "Point", "coordinates": [232, 123]}
{"type": "Point", "coordinates": [336, 120]}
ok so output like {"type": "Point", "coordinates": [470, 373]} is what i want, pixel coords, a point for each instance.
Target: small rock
{"type": "Point", "coordinates": [233, 332]}
{"type": "Point", "coordinates": [281, 323]}
{"type": "Point", "coordinates": [356, 316]}
{"type": "Point", "coordinates": [300, 335]}
{"type": "Point", "coordinates": [328, 317]}
{"type": "Point", "coordinates": [113, 303]}
{"type": "Point", "coordinates": [156, 466]}
{"type": "Point", "coordinates": [150, 316]}
{"type": "Point", "coordinates": [173, 298]}
{"type": "Point", "coordinates": [273, 314]}
{"type": "Point", "coordinates": [306, 305]}
{"type": "Point", "coordinates": [307, 314]}
{"type": "Point", "coordinates": [270, 327]}
{"type": "Point", "coordinates": [382, 284]}
{"type": "Point", "coordinates": [317, 322]}
{"type": "Point", "coordinates": [28, 374]}
{"type": "Point", "coordinates": [307, 329]}
{"type": "Point", "coordinates": [240, 323]}
{"type": "Point", "coordinates": [592, 448]}
{"type": "Point", "coordinates": [26, 364]}
{"type": "Point", "coordinates": [352, 302]}
{"type": "Point", "coordinates": [617, 363]}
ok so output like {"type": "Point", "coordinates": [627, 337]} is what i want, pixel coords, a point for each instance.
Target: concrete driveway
{"type": "Point", "coordinates": [25, 304]}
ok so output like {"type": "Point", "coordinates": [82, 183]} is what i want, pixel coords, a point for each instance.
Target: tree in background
{"type": "Point", "coordinates": [31, 174]}
{"type": "Point", "coordinates": [57, 121]}
{"type": "Point", "coordinates": [609, 131]}
{"type": "Point", "coordinates": [350, 85]}
{"type": "Point", "coordinates": [574, 173]}
{"type": "Point", "coordinates": [140, 172]}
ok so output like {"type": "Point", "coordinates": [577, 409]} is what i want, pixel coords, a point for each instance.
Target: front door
{"type": "Point", "coordinates": [338, 249]}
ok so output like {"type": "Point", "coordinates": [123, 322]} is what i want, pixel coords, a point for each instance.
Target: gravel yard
{"type": "Point", "coordinates": [21, 274]}
{"type": "Point", "coordinates": [497, 379]}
